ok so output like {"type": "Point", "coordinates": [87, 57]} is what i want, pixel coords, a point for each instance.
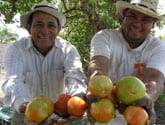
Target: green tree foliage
{"type": "Point", "coordinates": [84, 19]}
{"type": "Point", "coordinates": [10, 7]}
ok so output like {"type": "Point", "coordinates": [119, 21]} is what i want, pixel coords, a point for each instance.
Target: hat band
{"type": "Point", "coordinates": [136, 4]}
{"type": "Point", "coordinates": [37, 6]}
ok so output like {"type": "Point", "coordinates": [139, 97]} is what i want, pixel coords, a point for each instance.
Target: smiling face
{"type": "Point", "coordinates": [44, 28]}
{"type": "Point", "coordinates": [136, 26]}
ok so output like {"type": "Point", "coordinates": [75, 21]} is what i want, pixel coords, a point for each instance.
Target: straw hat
{"type": "Point", "coordinates": [148, 7]}
{"type": "Point", "coordinates": [46, 8]}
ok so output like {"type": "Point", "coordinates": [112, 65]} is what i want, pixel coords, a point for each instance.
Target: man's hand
{"type": "Point", "coordinates": [22, 108]}
{"type": "Point", "coordinates": [89, 99]}
{"type": "Point", "coordinates": [148, 105]}
{"type": "Point", "coordinates": [70, 119]}
{"type": "Point", "coordinates": [152, 116]}
{"type": "Point", "coordinates": [144, 102]}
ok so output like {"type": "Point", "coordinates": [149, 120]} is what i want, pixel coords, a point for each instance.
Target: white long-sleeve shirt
{"type": "Point", "coordinates": [30, 74]}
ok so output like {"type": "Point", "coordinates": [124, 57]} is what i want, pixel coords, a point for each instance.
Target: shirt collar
{"type": "Point", "coordinates": [58, 43]}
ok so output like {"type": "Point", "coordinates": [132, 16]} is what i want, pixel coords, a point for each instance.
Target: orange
{"type": "Point", "coordinates": [130, 89]}
{"type": "Point", "coordinates": [135, 115]}
{"type": "Point", "coordinates": [49, 102]}
{"type": "Point", "coordinates": [76, 106]}
{"type": "Point", "coordinates": [36, 111]}
{"type": "Point", "coordinates": [102, 111]}
{"type": "Point", "coordinates": [61, 105]}
{"type": "Point", "coordinates": [100, 85]}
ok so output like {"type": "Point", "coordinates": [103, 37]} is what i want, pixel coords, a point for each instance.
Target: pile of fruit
{"type": "Point", "coordinates": [41, 107]}
{"type": "Point", "coordinates": [126, 91]}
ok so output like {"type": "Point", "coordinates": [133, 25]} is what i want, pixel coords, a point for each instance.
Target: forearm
{"type": "Point", "coordinates": [98, 65]}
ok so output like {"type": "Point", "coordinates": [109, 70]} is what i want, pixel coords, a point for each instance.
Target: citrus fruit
{"type": "Point", "coordinates": [76, 106]}
{"type": "Point", "coordinates": [102, 111]}
{"type": "Point", "coordinates": [49, 103]}
{"type": "Point", "coordinates": [61, 105]}
{"type": "Point", "coordinates": [100, 85]}
{"type": "Point", "coordinates": [130, 89]}
{"type": "Point", "coordinates": [36, 111]}
{"type": "Point", "coordinates": [135, 115]}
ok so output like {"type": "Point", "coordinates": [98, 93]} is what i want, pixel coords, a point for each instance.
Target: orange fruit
{"type": "Point", "coordinates": [100, 85]}
{"type": "Point", "coordinates": [130, 89]}
{"type": "Point", "coordinates": [61, 105]}
{"type": "Point", "coordinates": [36, 111]}
{"type": "Point", "coordinates": [135, 115]}
{"type": "Point", "coordinates": [76, 106]}
{"type": "Point", "coordinates": [102, 111]}
{"type": "Point", "coordinates": [49, 102]}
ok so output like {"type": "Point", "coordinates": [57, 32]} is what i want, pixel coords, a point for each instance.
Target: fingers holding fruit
{"type": "Point", "coordinates": [26, 122]}
{"type": "Point", "coordinates": [144, 102]}
{"type": "Point", "coordinates": [22, 108]}
{"type": "Point", "coordinates": [152, 115]}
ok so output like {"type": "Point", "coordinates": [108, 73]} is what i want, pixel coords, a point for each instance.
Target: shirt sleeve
{"type": "Point", "coordinates": [75, 79]}
{"type": "Point", "coordinates": [100, 44]}
{"type": "Point", "coordinates": [14, 88]}
{"type": "Point", "coordinates": [156, 58]}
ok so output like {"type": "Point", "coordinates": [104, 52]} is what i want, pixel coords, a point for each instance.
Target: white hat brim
{"type": "Point", "coordinates": [122, 5]}
{"type": "Point", "coordinates": [25, 18]}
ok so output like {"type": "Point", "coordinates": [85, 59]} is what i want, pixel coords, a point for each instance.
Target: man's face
{"type": "Point", "coordinates": [44, 29]}
{"type": "Point", "coordinates": [136, 26]}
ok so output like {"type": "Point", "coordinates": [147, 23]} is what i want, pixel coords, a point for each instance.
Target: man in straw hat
{"type": "Point", "coordinates": [41, 64]}
{"type": "Point", "coordinates": [131, 51]}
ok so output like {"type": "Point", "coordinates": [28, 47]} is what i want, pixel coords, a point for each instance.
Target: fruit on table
{"type": "Point", "coordinates": [36, 111]}
{"type": "Point", "coordinates": [130, 89]}
{"type": "Point", "coordinates": [102, 111]}
{"type": "Point", "coordinates": [100, 85]}
{"type": "Point", "coordinates": [49, 102]}
{"type": "Point", "coordinates": [61, 105]}
{"type": "Point", "coordinates": [76, 106]}
{"type": "Point", "coordinates": [136, 115]}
